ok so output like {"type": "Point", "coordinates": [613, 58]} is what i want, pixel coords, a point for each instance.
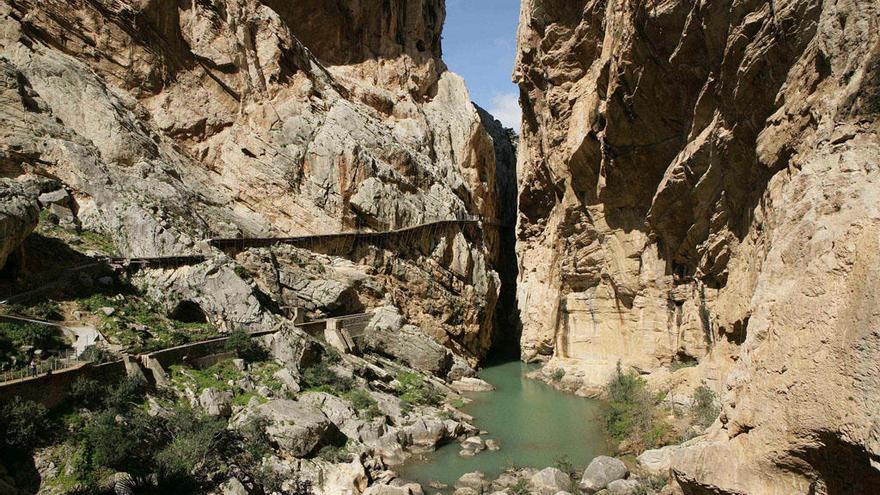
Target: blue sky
{"type": "Point", "coordinates": [479, 43]}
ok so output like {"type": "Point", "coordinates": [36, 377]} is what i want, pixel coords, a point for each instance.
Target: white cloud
{"type": "Point", "coordinates": [505, 107]}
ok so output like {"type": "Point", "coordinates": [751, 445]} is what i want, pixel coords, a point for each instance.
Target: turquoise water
{"type": "Point", "coordinates": [535, 424]}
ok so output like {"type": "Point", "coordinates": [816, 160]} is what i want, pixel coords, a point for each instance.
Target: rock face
{"type": "Point", "coordinates": [173, 122]}
{"type": "Point", "coordinates": [19, 211]}
{"type": "Point", "coordinates": [297, 427]}
{"type": "Point", "coordinates": [699, 181]}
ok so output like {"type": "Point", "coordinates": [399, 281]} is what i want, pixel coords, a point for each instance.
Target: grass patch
{"type": "Point", "coordinates": [414, 391]}
{"type": "Point", "coordinates": [364, 403]}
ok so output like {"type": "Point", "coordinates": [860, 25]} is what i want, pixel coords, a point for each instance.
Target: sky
{"type": "Point", "coordinates": [479, 44]}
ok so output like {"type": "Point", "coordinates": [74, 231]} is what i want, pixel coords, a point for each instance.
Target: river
{"type": "Point", "coordinates": [535, 424]}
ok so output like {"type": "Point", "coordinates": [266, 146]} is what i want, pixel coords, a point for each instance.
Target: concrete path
{"type": "Point", "coordinates": [83, 337]}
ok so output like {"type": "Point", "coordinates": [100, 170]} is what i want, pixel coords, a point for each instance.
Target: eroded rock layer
{"type": "Point", "coordinates": [699, 182]}
{"type": "Point", "coordinates": [173, 122]}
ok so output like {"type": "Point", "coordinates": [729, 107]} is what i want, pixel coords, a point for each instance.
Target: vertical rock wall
{"type": "Point", "coordinates": [699, 181]}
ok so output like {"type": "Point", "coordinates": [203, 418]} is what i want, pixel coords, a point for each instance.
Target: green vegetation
{"type": "Point", "coordinates": [334, 454]}
{"type": "Point", "coordinates": [363, 402]}
{"type": "Point", "coordinates": [43, 310]}
{"type": "Point", "coordinates": [106, 429]}
{"type": "Point", "coordinates": [564, 464]}
{"type": "Point", "coordinates": [558, 374]}
{"type": "Point", "coordinates": [413, 391]}
{"type": "Point", "coordinates": [15, 336]}
{"type": "Point", "coordinates": [139, 324]}
{"type": "Point", "coordinates": [321, 378]}
{"type": "Point", "coordinates": [705, 407]}
{"type": "Point", "coordinates": [245, 347]}
{"type": "Point", "coordinates": [22, 425]}
{"type": "Point", "coordinates": [97, 355]}
{"type": "Point", "coordinates": [85, 240]}
{"type": "Point", "coordinates": [521, 487]}
{"type": "Point", "coordinates": [217, 376]}
{"type": "Point", "coordinates": [633, 415]}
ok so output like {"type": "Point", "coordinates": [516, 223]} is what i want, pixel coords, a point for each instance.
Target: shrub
{"type": "Point", "coordinates": [197, 444]}
{"type": "Point", "coordinates": [631, 415]}
{"type": "Point", "coordinates": [413, 391]}
{"type": "Point", "coordinates": [363, 402]}
{"type": "Point", "coordinates": [705, 408]}
{"type": "Point", "coordinates": [564, 464]}
{"type": "Point", "coordinates": [109, 442]}
{"type": "Point", "coordinates": [32, 334]}
{"type": "Point", "coordinates": [245, 347]}
{"type": "Point", "coordinates": [320, 377]}
{"type": "Point", "coordinates": [125, 394]}
{"type": "Point", "coordinates": [87, 393]}
{"type": "Point", "coordinates": [521, 487]}
{"type": "Point", "coordinates": [97, 355]}
{"type": "Point", "coordinates": [558, 374]}
{"type": "Point", "coordinates": [23, 424]}
{"type": "Point", "coordinates": [254, 440]}
{"type": "Point", "coordinates": [334, 454]}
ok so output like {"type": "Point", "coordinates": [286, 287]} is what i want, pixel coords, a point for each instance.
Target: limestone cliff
{"type": "Point", "coordinates": [699, 182]}
{"type": "Point", "coordinates": [176, 121]}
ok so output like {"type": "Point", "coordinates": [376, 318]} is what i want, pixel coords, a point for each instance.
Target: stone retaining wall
{"type": "Point", "coordinates": [51, 390]}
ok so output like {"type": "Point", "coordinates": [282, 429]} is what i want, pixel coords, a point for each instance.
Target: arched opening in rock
{"type": "Point", "coordinates": [188, 312]}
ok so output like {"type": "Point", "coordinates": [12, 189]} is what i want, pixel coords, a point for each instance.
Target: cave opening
{"type": "Point", "coordinates": [188, 312]}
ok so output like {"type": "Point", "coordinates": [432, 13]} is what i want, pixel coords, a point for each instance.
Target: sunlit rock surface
{"type": "Point", "coordinates": [699, 182]}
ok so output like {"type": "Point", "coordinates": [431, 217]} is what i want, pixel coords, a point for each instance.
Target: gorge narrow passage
{"type": "Point", "coordinates": [536, 426]}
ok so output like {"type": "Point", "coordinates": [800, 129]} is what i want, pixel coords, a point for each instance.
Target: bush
{"type": "Point", "coordinates": [245, 347]}
{"type": "Point", "coordinates": [631, 415]}
{"type": "Point", "coordinates": [197, 444]}
{"type": "Point", "coordinates": [564, 464]}
{"type": "Point", "coordinates": [413, 391]}
{"type": "Point", "coordinates": [23, 424]}
{"type": "Point", "coordinates": [558, 374]}
{"type": "Point", "coordinates": [705, 408]}
{"type": "Point", "coordinates": [32, 334]}
{"type": "Point", "coordinates": [320, 377]}
{"type": "Point", "coordinates": [87, 393]}
{"type": "Point", "coordinates": [125, 394]}
{"type": "Point", "coordinates": [363, 402]}
{"type": "Point", "coordinates": [97, 355]}
{"type": "Point", "coordinates": [334, 454]}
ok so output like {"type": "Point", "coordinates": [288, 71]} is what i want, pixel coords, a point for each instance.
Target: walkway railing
{"type": "Point", "coordinates": [66, 360]}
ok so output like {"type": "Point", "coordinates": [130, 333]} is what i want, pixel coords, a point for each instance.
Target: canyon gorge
{"type": "Point", "coordinates": [289, 216]}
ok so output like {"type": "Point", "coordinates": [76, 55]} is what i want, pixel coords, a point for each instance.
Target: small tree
{"type": "Point", "coordinates": [705, 408]}
{"type": "Point", "coordinates": [22, 424]}
{"type": "Point", "coordinates": [245, 347]}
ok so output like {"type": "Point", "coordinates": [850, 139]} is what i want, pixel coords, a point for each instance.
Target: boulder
{"type": "Point", "coordinates": [623, 487]}
{"type": "Point", "coordinates": [657, 461]}
{"type": "Point", "coordinates": [233, 487]}
{"type": "Point", "coordinates": [388, 335]}
{"type": "Point", "coordinates": [296, 427]}
{"type": "Point", "coordinates": [475, 481]}
{"type": "Point", "coordinates": [601, 471]}
{"type": "Point", "coordinates": [469, 384]}
{"type": "Point", "coordinates": [549, 481]}
{"type": "Point", "coordinates": [392, 490]}
{"type": "Point", "coordinates": [287, 379]}
{"type": "Point", "coordinates": [56, 197]}
{"type": "Point", "coordinates": [215, 402]}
